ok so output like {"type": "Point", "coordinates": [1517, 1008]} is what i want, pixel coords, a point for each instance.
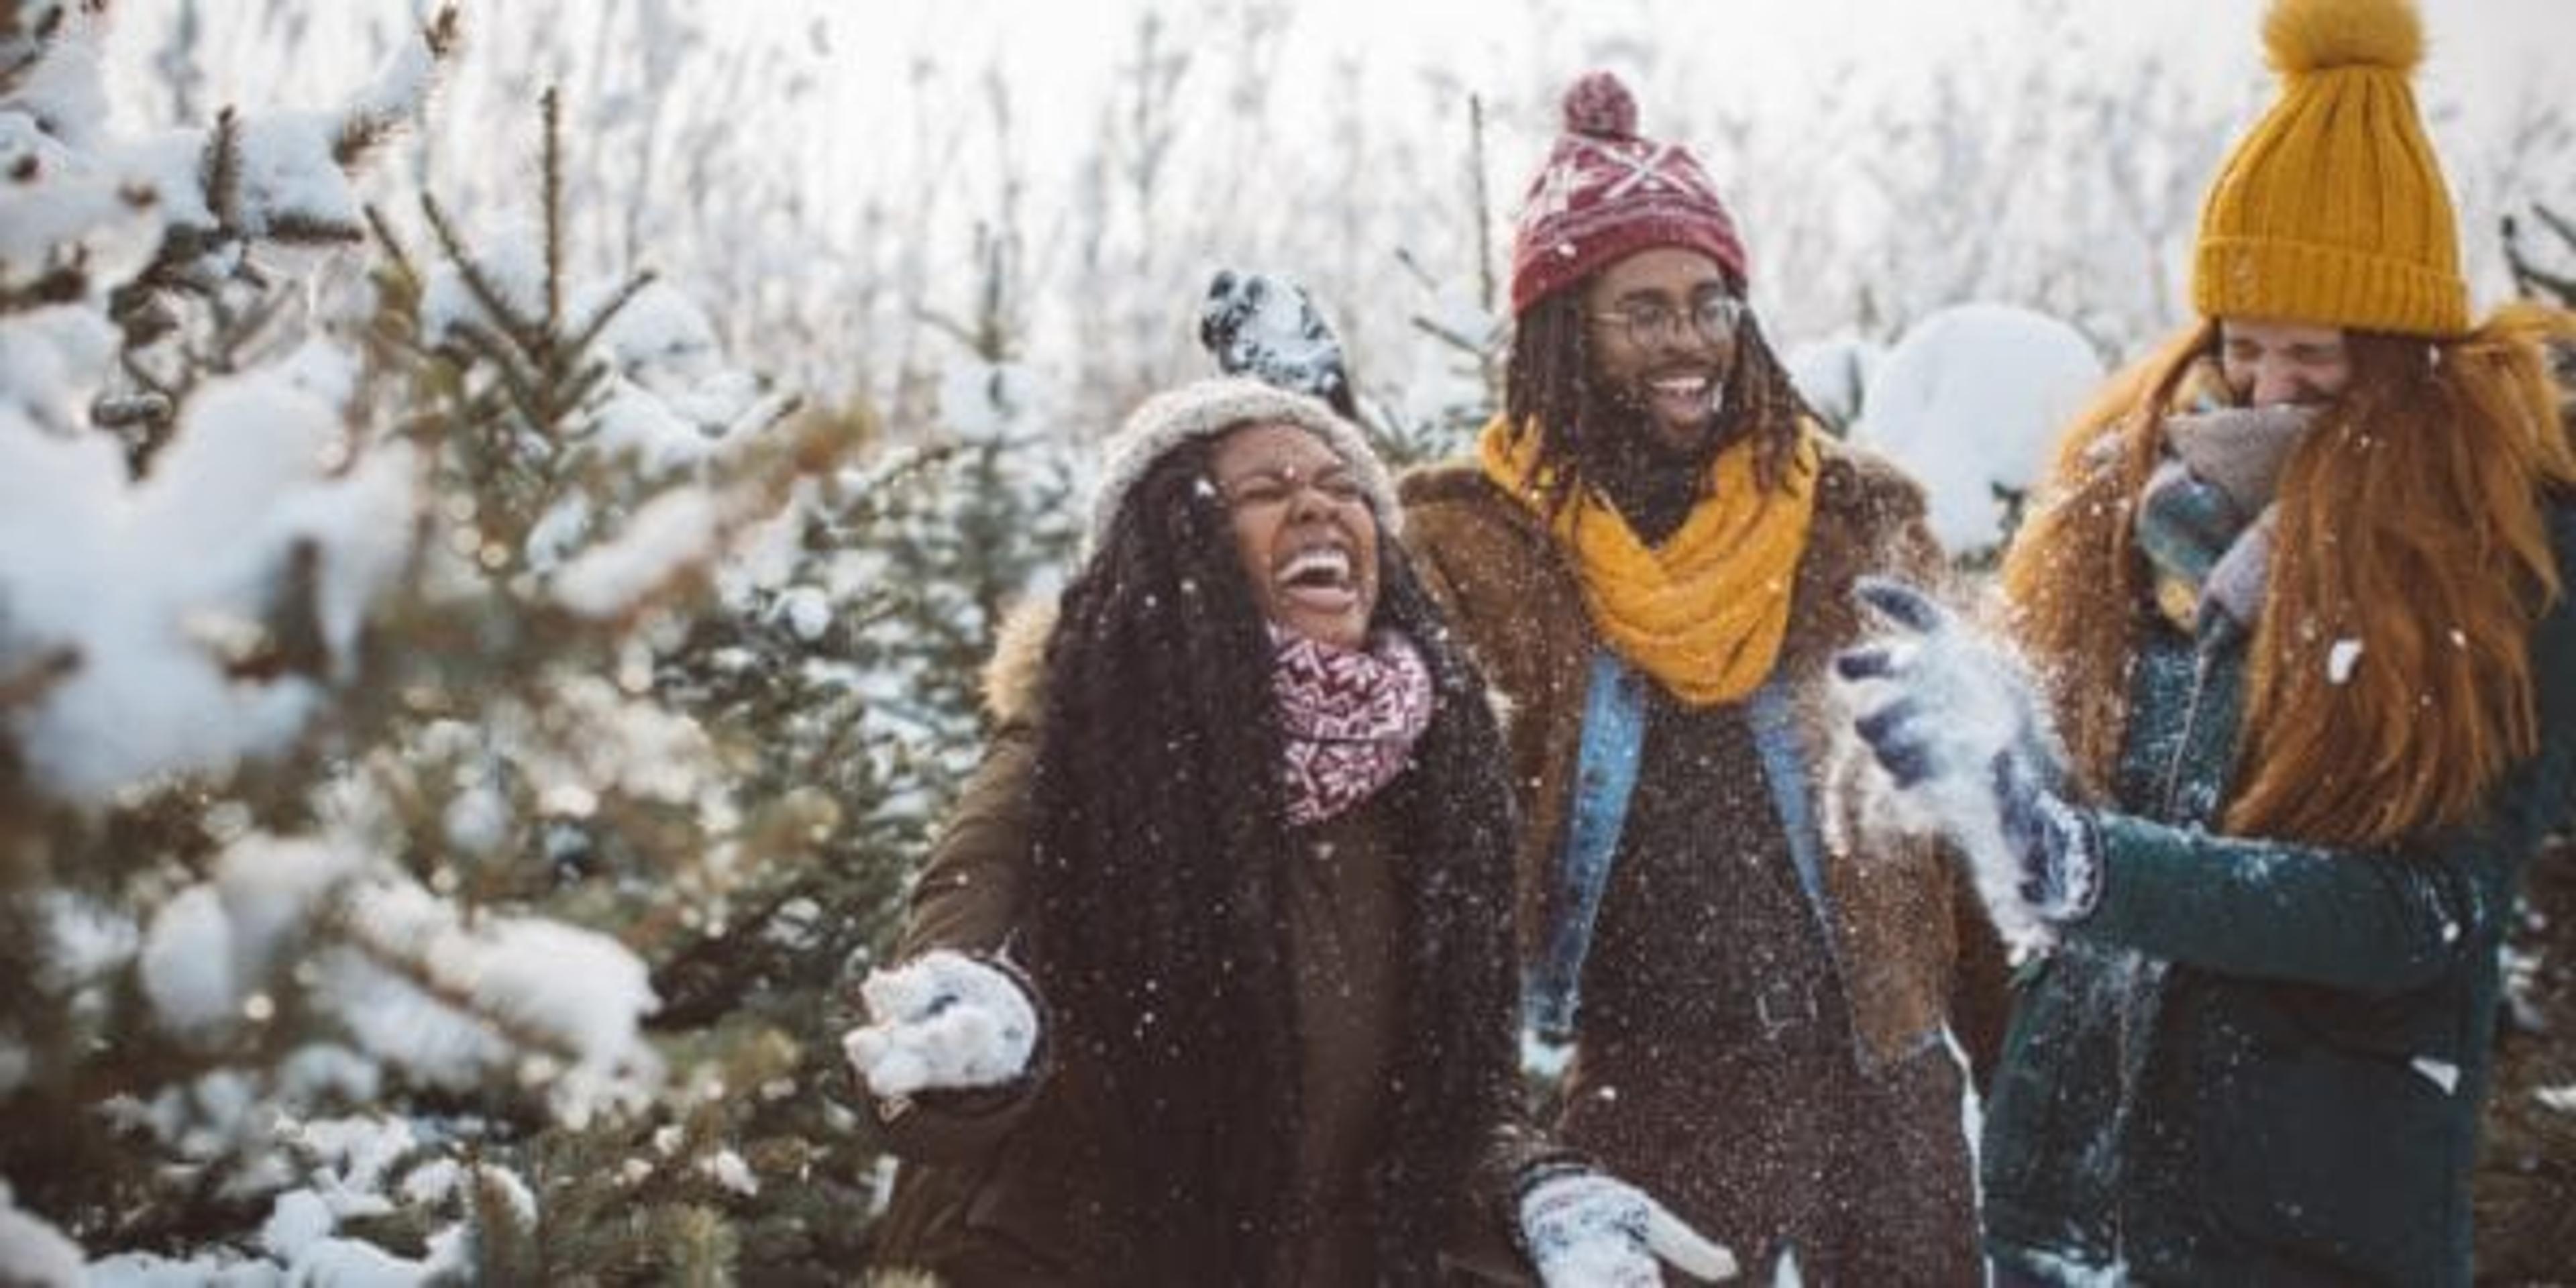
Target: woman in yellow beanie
{"type": "Point", "coordinates": [2297, 601]}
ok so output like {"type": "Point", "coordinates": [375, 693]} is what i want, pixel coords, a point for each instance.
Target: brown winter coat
{"type": "Point", "coordinates": [1012, 1187]}
{"type": "Point", "coordinates": [1806, 1076]}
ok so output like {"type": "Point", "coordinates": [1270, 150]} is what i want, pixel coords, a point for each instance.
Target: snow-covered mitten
{"type": "Point", "coordinates": [942, 1021]}
{"type": "Point", "coordinates": [1946, 701]}
{"type": "Point", "coordinates": [2054, 846]}
{"type": "Point", "coordinates": [1965, 742]}
{"type": "Point", "coordinates": [1268, 328]}
{"type": "Point", "coordinates": [2058, 869]}
{"type": "Point", "coordinates": [1583, 1229]}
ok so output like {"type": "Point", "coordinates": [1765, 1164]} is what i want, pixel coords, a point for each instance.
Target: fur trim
{"type": "Point", "coordinates": [1457, 479]}
{"type": "Point", "coordinates": [901, 1277]}
{"type": "Point", "coordinates": [1500, 703]}
{"type": "Point", "coordinates": [1014, 680]}
{"type": "Point", "coordinates": [1207, 408]}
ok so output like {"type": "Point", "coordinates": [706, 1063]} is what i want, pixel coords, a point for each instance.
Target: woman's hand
{"type": "Point", "coordinates": [942, 1021]}
{"type": "Point", "coordinates": [1586, 1229]}
{"type": "Point", "coordinates": [1959, 730]}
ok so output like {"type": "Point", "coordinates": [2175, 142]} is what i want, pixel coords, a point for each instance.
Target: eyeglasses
{"type": "Point", "coordinates": [1651, 323]}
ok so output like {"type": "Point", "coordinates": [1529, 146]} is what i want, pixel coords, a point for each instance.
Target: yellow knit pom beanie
{"type": "Point", "coordinates": [2333, 210]}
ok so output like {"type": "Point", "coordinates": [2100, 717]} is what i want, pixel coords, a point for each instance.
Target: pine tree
{"type": "Point", "coordinates": [994, 523]}
{"type": "Point", "coordinates": [433, 809]}
{"type": "Point", "coordinates": [1474, 328]}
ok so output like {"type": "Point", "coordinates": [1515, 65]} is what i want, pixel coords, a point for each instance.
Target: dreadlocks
{"type": "Point", "coordinates": [1161, 861]}
{"type": "Point", "coordinates": [1550, 391]}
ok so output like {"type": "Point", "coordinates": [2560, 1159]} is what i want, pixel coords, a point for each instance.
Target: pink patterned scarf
{"type": "Point", "coordinates": [1350, 717]}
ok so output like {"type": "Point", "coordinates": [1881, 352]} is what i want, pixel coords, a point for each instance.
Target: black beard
{"type": "Point", "coordinates": [1653, 485]}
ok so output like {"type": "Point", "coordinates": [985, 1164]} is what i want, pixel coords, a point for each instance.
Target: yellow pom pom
{"type": "Point", "coordinates": [2321, 35]}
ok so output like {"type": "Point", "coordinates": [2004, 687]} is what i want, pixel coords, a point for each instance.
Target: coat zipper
{"type": "Point", "coordinates": [2204, 657]}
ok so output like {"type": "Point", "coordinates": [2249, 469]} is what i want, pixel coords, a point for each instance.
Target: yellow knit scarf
{"type": "Point", "coordinates": [1704, 613]}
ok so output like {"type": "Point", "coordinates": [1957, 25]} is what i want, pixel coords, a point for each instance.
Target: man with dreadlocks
{"type": "Point", "coordinates": [1652, 554]}
{"type": "Point", "coordinates": [1208, 980]}
{"type": "Point", "coordinates": [2296, 597]}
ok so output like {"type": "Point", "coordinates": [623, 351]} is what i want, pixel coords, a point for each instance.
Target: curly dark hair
{"type": "Point", "coordinates": [1161, 859]}
{"type": "Point", "coordinates": [1548, 390]}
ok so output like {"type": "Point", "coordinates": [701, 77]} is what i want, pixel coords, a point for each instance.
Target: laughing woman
{"type": "Point", "coordinates": [1209, 980]}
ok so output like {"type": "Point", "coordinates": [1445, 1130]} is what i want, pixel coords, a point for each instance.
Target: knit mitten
{"type": "Point", "coordinates": [1583, 1229]}
{"type": "Point", "coordinates": [942, 1021]}
{"type": "Point", "coordinates": [1963, 738]}
{"type": "Point", "coordinates": [1268, 328]}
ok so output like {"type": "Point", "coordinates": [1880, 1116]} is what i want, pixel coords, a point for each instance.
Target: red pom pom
{"type": "Point", "coordinates": [1600, 106]}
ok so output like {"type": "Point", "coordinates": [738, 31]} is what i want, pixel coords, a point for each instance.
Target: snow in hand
{"type": "Point", "coordinates": [1586, 1229]}
{"type": "Point", "coordinates": [1268, 328]}
{"type": "Point", "coordinates": [941, 1020]}
{"type": "Point", "coordinates": [1978, 703]}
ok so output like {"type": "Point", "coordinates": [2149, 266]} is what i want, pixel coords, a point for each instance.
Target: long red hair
{"type": "Point", "coordinates": [2410, 520]}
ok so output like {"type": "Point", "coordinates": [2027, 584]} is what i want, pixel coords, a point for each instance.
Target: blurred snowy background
{"type": "Point", "coordinates": [875, 194]}
{"type": "Point", "coordinates": [500, 509]}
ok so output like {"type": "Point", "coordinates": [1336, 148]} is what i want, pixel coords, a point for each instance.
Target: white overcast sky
{"type": "Point", "coordinates": [2492, 63]}
{"type": "Point", "coordinates": [2484, 52]}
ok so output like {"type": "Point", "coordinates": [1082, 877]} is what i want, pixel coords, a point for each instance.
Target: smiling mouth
{"type": "Point", "coordinates": [1319, 578]}
{"type": "Point", "coordinates": [1685, 395]}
